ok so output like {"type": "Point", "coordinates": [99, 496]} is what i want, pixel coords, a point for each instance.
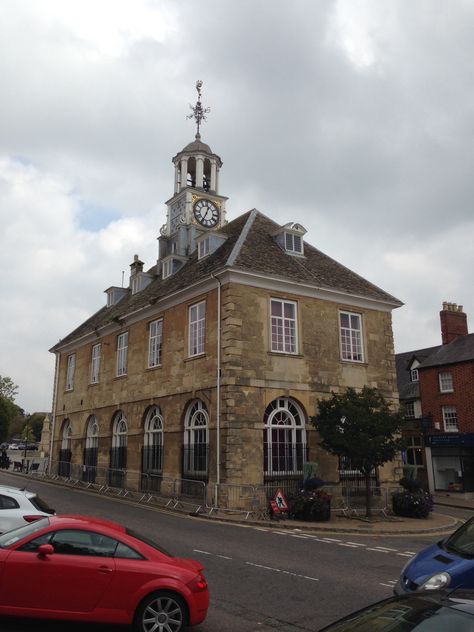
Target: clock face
{"type": "Point", "coordinates": [206, 212]}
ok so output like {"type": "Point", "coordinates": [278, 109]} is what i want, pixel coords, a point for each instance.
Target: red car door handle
{"type": "Point", "coordinates": [105, 569]}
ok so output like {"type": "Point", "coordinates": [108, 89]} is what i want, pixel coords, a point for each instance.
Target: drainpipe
{"type": "Point", "coordinates": [218, 391]}
{"type": "Point", "coordinates": [52, 426]}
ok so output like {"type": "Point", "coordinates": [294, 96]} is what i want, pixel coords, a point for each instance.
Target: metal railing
{"type": "Point", "coordinates": [200, 497]}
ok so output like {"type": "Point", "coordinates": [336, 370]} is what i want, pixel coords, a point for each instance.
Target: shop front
{"type": "Point", "coordinates": [452, 458]}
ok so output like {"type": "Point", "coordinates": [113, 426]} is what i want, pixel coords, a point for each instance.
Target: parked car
{"type": "Point", "coordinates": [27, 446]}
{"type": "Point", "coordinates": [93, 570]}
{"type": "Point", "coordinates": [450, 562]}
{"type": "Point", "coordinates": [19, 506]}
{"type": "Point", "coordinates": [436, 611]}
{"type": "Point", "coordinates": [13, 446]}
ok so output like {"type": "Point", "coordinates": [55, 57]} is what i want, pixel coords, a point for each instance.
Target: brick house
{"type": "Point", "coordinates": [436, 387]}
{"type": "Point", "coordinates": [208, 365]}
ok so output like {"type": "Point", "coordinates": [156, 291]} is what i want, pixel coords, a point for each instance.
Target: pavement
{"type": "Point", "coordinates": [437, 523]}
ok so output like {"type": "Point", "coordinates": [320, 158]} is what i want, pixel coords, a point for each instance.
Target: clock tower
{"type": "Point", "coordinates": [196, 205]}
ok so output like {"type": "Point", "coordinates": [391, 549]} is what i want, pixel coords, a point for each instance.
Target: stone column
{"type": "Point", "coordinates": [199, 171]}
{"type": "Point", "coordinates": [184, 173]}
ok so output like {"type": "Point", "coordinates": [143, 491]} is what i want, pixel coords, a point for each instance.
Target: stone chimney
{"type": "Point", "coordinates": [136, 266]}
{"type": "Point", "coordinates": [453, 322]}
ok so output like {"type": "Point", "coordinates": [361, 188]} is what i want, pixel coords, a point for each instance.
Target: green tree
{"type": "Point", "coordinates": [35, 422]}
{"type": "Point", "coordinates": [8, 410]}
{"type": "Point", "coordinates": [362, 427]}
{"type": "Point", "coordinates": [8, 388]}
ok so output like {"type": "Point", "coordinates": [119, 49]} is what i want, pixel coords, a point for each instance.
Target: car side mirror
{"type": "Point", "coordinates": [45, 549]}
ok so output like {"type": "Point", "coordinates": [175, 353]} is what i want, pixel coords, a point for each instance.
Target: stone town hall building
{"type": "Point", "coordinates": [207, 366]}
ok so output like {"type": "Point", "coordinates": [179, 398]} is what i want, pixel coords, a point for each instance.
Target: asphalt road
{"type": "Point", "coordinates": [260, 578]}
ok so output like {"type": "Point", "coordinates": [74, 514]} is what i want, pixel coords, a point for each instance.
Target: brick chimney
{"type": "Point", "coordinates": [453, 322]}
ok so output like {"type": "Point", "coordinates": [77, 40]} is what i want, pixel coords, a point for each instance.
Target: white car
{"type": "Point", "coordinates": [19, 506]}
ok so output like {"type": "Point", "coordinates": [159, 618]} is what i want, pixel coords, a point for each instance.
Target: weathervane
{"type": "Point", "coordinates": [198, 112]}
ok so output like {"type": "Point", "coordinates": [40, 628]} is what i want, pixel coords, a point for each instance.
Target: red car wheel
{"type": "Point", "coordinates": [162, 612]}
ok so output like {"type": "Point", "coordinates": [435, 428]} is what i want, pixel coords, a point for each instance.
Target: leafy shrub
{"type": "Point", "coordinates": [413, 502]}
{"type": "Point", "coordinates": [311, 505]}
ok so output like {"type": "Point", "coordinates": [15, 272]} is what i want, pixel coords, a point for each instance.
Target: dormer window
{"type": "Point", "coordinates": [115, 294]}
{"type": "Point", "coordinates": [414, 375]}
{"type": "Point", "coordinates": [290, 238]}
{"type": "Point", "coordinates": [293, 243]}
{"type": "Point", "coordinates": [171, 264]}
{"type": "Point", "coordinates": [135, 285]}
{"type": "Point", "coordinates": [139, 282]}
{"type": "Point", "coordinates": [204, 247]}
{"type": "Point", "coordinates": [167, 268]}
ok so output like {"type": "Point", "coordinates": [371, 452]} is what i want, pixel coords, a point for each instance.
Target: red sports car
{"type": "Point", "coordinates": [87, 569]}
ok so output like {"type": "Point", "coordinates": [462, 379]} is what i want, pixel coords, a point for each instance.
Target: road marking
{"type": "Point", "coordinates": [378, 550]}
{"type": "Point", "coordinates": [331, 540]}
{"type": "Point", "coordinates": [203, 552]}
{"type": "Point", "coordinates": [409, 552]}
{"type": "Point", "coordinates": [356, 543]}
{"type": "Point", "coordinates": [267, 568]}
{"type": "Point", "coordinates": [224, 557]}
{"type": "Point", "coordinates": [351, 546]}
{"type": "Point", "coordinates": [387, 585]}
{"type": "Point", "coordinates": [279, 570]}
{"type": "Point", "coordinates": [405, 554]}
{"type": "Point", "coordinates": [302, 537]}
{"type": "Point", "coordinates": [386, 548]}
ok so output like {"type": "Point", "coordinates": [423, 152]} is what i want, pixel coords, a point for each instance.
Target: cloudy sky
{"type": "Point", "coordinates": [352, 117]}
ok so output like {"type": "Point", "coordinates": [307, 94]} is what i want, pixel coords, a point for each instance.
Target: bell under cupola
{"type": "Point", "coordinates": [196, 205]}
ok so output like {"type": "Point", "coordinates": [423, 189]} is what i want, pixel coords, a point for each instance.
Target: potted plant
{"type": "Point", "coordinates": [312, 503]}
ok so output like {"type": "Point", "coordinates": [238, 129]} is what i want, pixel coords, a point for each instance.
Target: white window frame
{"type": "Point", "coordinates": [204, 247]}
{"type": "Point", "coordinates": [293, 243]}
{"type": "Point", "coordinates": [197, 329]}
{"type": "Point", "coordinates": [284, 328]}
{"type": "Point", "coordinates": [92, 433]}
{"type": "Point", "coordinates": [446, 382]}
{"type": "Point", "coordinates": [122, 353]}
{"type": "Point", "coordinates": [450, 418]}
{"type": "Point", "coordinates": [284, 437]}
{"type": "Point", "coordinates": [95, 362]}
{"type": "Point", "coordinates": [135, 284]}
{"type": "Point", "coordinates": [409, 410]}
{"type": "Point", "coordinates": [70, 372]}
{"type": "Point", "coordinates": [351, 338]}
{"type": "Point", "coordinates": [155, 343]}
{"type": "Point", "coordinates": [167, 268]}
{"type": "Point", "coordinates": [414, 375]}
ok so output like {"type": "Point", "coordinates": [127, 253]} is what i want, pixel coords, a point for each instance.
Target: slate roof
{"type": "Point", "coordinates": [249, 246]}
{"type": "Point", "coordinates": [459, 350]}
{"type": "Point", "coordinates": [406, 388]}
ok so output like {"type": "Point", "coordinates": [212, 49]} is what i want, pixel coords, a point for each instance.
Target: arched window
{"type": "Point", "coordinates": [92, 433]}
{"type": "Point", "coordinates": [153, 444]}
{"type": "Point", "coordinates": [66, 435]}
{"type": "Point", "coordinates": [118, 452]}
{"type": "Point", "coordinates": [91, 450]}
{"type": "Point", "coordinates": [284, 438]}
{"type": "Point", "coordinates": [196, 441]}
{"type": "Point", "coordinates": [65, 453]}
{"type": "Point", "coordinates": [120, 431]}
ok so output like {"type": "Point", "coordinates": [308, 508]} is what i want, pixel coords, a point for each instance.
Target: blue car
{"type": "Point", "coordinates": [447, 564]}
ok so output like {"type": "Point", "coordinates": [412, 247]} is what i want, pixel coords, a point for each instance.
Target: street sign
{"type": "Point", "coordinates": [280, 501]}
